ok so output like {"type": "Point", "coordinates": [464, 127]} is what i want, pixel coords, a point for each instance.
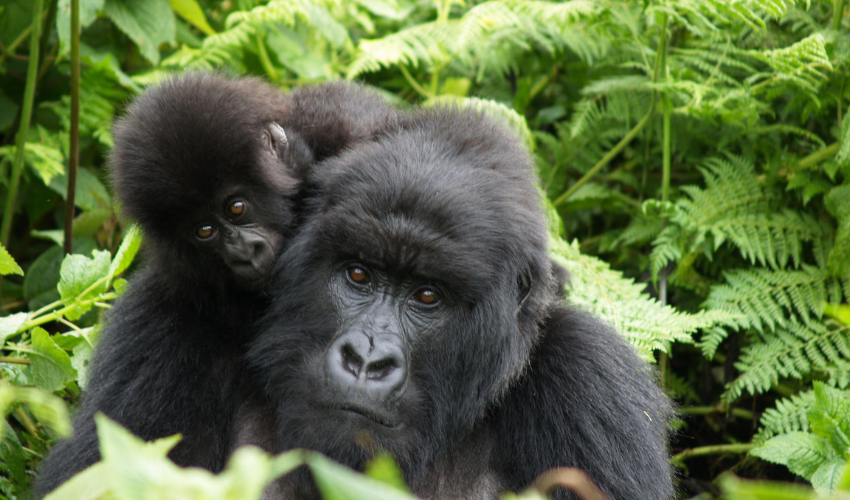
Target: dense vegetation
{"type": "Point", "coordinates": [695, 153]}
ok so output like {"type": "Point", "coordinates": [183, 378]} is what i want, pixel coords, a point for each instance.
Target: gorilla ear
{"type": "Point", "coordinates": [524, 287]}
{"type": "Point", "coordinates": [275, 140]}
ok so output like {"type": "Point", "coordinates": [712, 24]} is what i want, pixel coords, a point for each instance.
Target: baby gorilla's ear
{"type": "Point", "coordinates": [275, 140]}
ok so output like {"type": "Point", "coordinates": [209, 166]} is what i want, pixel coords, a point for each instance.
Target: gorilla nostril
{"type": "Point", "coordinates": [380, 369]}
{"type": "Point", "coordinates": [351, 361]}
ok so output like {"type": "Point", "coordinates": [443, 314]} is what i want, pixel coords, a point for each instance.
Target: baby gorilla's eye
{"type": "Point", "coordinates": [237, 207]}
{"type": "Point", "coordinates": [204, 232]}
{"type": "Point", "coordinates": [426, 296]}
{"type": "Point", "coordinates": [358, 275]}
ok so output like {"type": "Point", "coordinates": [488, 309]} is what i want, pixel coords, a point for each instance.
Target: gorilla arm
{"type": "Point", "coordinates": [580, 404]}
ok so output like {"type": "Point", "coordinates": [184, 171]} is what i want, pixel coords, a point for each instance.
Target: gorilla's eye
{"type": "Point", "coordinates": [358, 275]}
{"type": "Point", "coordinates": [237, 207]}
{"type": "Point", "coordinates": [204, 232]}
{"type": "Point", "coordinates": [426, 296]}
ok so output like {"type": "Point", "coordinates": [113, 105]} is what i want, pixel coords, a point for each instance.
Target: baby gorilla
{"type": "Point", "coordinates": [210, 168]}
{"type": "Point", "coordinates": [416, 312]}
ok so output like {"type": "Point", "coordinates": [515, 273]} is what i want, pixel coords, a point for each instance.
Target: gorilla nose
{"type": "Point", "coordinates": [360, 365]}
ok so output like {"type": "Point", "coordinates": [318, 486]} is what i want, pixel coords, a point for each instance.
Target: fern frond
{"type": "Point", "coordinates": [794, 351]}
{"type": "Point", "coordinates": [765, 300]}
{"type": "Point", "coordinates": [789, 415]}
{"type": "Point", "coordinates": [735, 206]}
{"type": "Point", "coordinates": [800, 64]}
{"type": "Point", "coordinates": [643, 321]}
{"type": "Point", "coordinates": [420, 44]}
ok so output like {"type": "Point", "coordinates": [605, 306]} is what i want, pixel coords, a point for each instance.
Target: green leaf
{"type": "Point", "coordinates": [384, 468]}
{"type": "Point", "coordinates": [148, 23]}
{"type": "Point", "coordinates": [90, 484]}
{"type": "Point", "coordinates": [829, 418]}
{"type": "Point", "coordinates": [801, 452]}
{"type": "Point", "coordinates": [91, 193]}
{"type": "Point", "coordinates": [88, 222]}
{"type": "Point", "coordinates": [8, 264]}
{"type": "Point", "coordinates": [337, 482]}
{"type": "Point", "coordinates": [126, 252]}
{"type": "Point", "coordinates": [50, 366]}
{"type": "Point", "coordinates": [10, 324]}
{"type": "Point", "coordinates": [828, 476]}
{"type": "Point", "coordinates": [12, 460]}
{"type": "Point", "coordinates": [738, 489]}
{"type": "Point", "coordinates": [192, 12]}
{"type": "Point", "coordinates": [78, 274]}
{"type": "Point", "coordinates": [383, 8]}
{"type": "Point", "coordinates": [88, 14]}
{"type": "Point", "coordinates": [47, 161]}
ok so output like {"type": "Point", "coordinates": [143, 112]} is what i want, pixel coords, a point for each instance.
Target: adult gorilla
{"type": "Point", "coordinates": [416, 313]}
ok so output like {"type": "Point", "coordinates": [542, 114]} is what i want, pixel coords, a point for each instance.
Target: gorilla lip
{"type": "Point", "coordinates": [363, 412]}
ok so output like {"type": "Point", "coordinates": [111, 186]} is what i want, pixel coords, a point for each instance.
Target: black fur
{"type": "Point", "coordinates": [501, 379]}
{"type": "Point", "coordinates": [170, 356]}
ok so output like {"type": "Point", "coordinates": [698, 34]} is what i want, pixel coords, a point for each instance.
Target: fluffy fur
{"type": "Point", "coordinates": [170, 356]}
{"type": "Point", "coordinates": [502, 379]}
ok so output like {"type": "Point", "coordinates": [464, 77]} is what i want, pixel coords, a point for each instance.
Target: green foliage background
{"type": "Point", "coordinates": [694, 155]}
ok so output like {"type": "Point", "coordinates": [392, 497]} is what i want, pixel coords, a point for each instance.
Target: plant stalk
{"type": "Point", "coordinates": [838, 14]}
{"type": "Point", "coordinates": [74, 160]}
{"type": "Point", "coordinates": [719, 449]}
{"type": "Point", "coordinates": [659, 59]}
{"type": "Point", "coordinates": [23, 127]}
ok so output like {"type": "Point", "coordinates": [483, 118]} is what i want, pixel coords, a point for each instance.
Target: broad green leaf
{"type": "Point", "coordinates": [43, 274]}
{"type": "Point", "coordinates": [739, 489]}
{"type": "Point", "coordinates": [325, 24]}
{"type": "Point", "coordinates": [126, 252]}
{"type": "Point", "coordinates": [829, 418]}
{"type": "Point", "coordinates": [50, 366]}
{"type": "Point", "coordinates": [83, 353]}
{"type": "Point", "coordinates": [384, 468]}
{"type": "Point", "coordinates": [88, 222]}
{"type": "Point", "coordinates": [88, 14]}
{"type": "Point", "coordinates": [8, 264]}
{"type": "Point", "coordinates": [79, 272]}
{"type": "Point", "coordinates": [90, 484]}
{"type": "Point", "coordinates": [192, 12]}
{"type": "Point", "coordinates": [337, 482]}
{"type": "Point", "coordinates": [148, 23]}
{"type": "Point", "coordinates": [91, 193]}
{"type": "Point", "coordinates": [55, 235]}
{"type": "Point", "coordinates": [828, 476]}
{"type": "Point", "coordinates": [801, 452]}
{"type": "Point", "coordinates": [383, 8]}
{"type": "Point", "coordinates": [10, 324]}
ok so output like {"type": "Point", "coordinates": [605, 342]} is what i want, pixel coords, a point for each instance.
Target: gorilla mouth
{"type": "Point", "coordinates": [364, 412]}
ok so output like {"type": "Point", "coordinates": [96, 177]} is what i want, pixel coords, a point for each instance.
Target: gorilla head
{"type": "Point", "coordinates": [203, 166]}
{"type": "Point", "coordinates": [409, 302]}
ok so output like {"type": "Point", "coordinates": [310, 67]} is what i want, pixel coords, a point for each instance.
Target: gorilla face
{"type": "Point", "coordinates": [406, 305]}
{"type": "Point", "coordinates": [231, 224]}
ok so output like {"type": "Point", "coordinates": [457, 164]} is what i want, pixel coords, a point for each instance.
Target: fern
{"type": "Point", "coordinates": [736, 207]}
{"type": "Point", "coordinates": [789, 415]}
{"type": "Point", "coordinates": [645, 322]}
{"type": "Point", "coordinates": [795, 351]}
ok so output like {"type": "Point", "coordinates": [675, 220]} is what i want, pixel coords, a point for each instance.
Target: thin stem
{"type": "Point", "coordinates": [838, 14]}
{"type": "Point", "coordinates": [23, 127]}
{"type": "Point", "coordinates": [413, 83]}
{"type": "Point", "coordinates": [817, 157]}
{"type": "Point", "coordinates": [17, 361]}
{"type": "Point", "coordinates": [265, 60]}
{"type": "Point", "coordinates": [608, 157]}
{"type": "Point", "coordinates": [659, 58]}
{"type": "Point", "coordinates": [74, 159]}
{"type": "Point", "coordinates": [719, 449]}
{"type": "Point", "coordinates": [25, 419]}
{"type": "Point", "coordinates": [708, 410]}
{"type": "Point", "coordinates": [61, 312]}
